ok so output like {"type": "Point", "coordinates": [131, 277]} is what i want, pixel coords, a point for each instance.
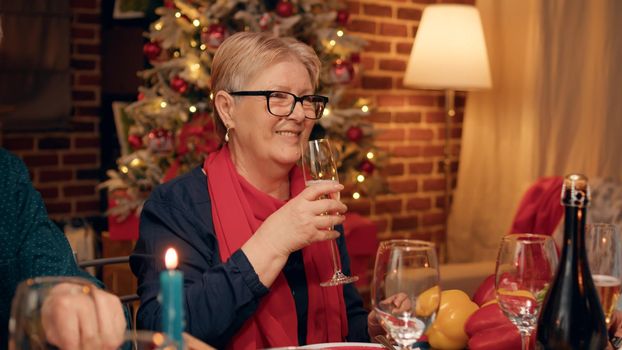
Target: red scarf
{"type": "Point", "coordinates": [238, 209]}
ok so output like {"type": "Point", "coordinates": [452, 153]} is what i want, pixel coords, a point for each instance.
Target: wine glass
{"type": "Point", "coordinates": [405, 290]}
{"type": "Point", "coordinates": [25, 325]}
{"type": "Point", "coordinates": [604, 254]}
{"type": "Point", "coordinates": [526, 264]}
{"type": "Point", "coordinates": [318, 166]}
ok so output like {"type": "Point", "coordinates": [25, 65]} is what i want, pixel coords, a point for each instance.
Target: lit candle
{"type": "Point", "coordinates": [171, 297]}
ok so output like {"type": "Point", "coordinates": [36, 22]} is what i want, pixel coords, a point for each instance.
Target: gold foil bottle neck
{"type": "Point", "coordinates": [575, 191]}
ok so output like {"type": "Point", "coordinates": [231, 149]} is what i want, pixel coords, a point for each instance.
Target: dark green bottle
{"type": "Point", "coordinates": [571, 317]}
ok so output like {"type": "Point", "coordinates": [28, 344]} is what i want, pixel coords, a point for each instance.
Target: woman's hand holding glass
{"type": "Point", "coordinates": [297, 224]}
{"type": "Point", "coordinates": [302, 220]}
{"type": "Point", "coordinates": [67, 312]}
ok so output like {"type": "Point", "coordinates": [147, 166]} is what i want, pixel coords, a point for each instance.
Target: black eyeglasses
{"type": "Point", "coordinates": [281, 104]}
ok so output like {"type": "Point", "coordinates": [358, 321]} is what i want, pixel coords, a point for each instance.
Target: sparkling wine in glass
{"type": "Point", "coordinates": [318, 166]}
{"type": "Point", "coordinates": [405, 290]}
{"type": "Point", "coordinates": [604, 253]}
{"type": "Point", "coordinates": [526, 264]}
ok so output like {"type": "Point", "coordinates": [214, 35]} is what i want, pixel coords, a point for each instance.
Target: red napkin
{"type": "Point", "coordinates": [540, 210]}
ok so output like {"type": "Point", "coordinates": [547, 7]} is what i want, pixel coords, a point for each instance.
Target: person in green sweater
{"type": "Point", "coordinates": [31, 246]}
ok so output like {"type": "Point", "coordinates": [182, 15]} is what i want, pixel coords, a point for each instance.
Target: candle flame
{"type": "Point", "coordinates": [170, 258]}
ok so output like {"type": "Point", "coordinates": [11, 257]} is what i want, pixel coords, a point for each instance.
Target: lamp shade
{"type": "Point", "coordinates": [449, 50]}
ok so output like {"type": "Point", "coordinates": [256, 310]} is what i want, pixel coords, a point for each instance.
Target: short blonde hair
{"type": "Point", "coordinates": [245, 54]}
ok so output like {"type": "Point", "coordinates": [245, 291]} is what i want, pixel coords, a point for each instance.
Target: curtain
{"type": "Point", "coordinates": [555, 107]}
{"type": "Point", "coordinates": [35, 78]}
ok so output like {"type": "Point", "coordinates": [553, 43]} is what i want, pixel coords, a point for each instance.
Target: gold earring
{"type": "Point", "coordinates": [227, 135]}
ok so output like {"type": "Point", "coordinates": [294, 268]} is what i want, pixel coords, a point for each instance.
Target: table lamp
{"type": "Point", "coordinates": [449, 53]}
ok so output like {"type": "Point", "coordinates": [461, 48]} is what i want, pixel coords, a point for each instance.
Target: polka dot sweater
{"type": "Point", "coordinates": [30, 244]}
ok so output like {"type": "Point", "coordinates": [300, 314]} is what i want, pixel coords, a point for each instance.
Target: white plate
{"type": "Point", "coordinates": [341, 345]}
{"type": "Point", "coordinates": [331, 345]}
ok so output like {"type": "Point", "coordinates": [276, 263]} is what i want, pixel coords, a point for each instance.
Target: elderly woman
{"type": "Point", "coordinates": [252, 239]}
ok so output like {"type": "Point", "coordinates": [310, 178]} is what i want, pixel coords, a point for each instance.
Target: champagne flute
{"type": "Point", "coordinates": [405, 290]}
{"type": "Point", "coordinates": [318, 166]}
{"type": "Point", "coordinates": [604, 254]}
{"type": "Point", "coordinates": [526, 265]}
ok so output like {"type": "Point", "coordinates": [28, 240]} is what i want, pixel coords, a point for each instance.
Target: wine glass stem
{"type": "Point", "coordinates": [333, 250]}
{"type": "Point", "coordinates": [524, 339]}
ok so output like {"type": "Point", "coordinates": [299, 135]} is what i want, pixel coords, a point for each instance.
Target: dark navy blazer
{"type": "Point", "coordinates": [219, 296]}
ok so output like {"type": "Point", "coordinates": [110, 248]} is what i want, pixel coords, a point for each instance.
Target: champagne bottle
{"type": "Point", "coordinates": [571, 316]}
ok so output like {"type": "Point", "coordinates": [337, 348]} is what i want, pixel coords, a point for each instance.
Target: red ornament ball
{"type": "Point", "coordinates": [342, 17]}
{"type": "Point", "coordinates": [265, 21]}
{"type": "Point", "coordinates": [284, 8]}
{"type": "Point", "coordinates": [367, 167]}
{"type": "Point", "coordinates": [214, 35]}
{"type": "Point", "coordinates": [169, 4]}
{"type": "Point", "coordinates": [342, 71]}
{"type": "Point", "coordinates": [179, 85]}
{"type": "Point", "coordinates": [152, 50]}
{"type": "Point", "coordinates": [160, 141]}
{"type": "Point", "coordinates": [141, 96]}
{"type": "Point", "coordinates": [135, 141]}
{"type": "Point", "coordinates": [354, 133]}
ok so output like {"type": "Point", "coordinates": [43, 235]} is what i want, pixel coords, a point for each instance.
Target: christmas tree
{"type": "Point", "coordinates": [169, 129]}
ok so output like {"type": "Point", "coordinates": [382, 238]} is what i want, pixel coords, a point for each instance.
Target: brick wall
{"type": "Point", "coordinates": [411, 123]}
{"type": "Point", "coordinates": [64, 165]}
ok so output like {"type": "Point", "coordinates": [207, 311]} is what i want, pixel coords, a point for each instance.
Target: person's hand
{"type": "Point", "coordinates": [398, 303]}
{"type": "Point", "coordinates": [615, 330]}
{"type": "Point", "coordinates": [82, 317]}
{"type": "Point", "coordinates": [303, 220]}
